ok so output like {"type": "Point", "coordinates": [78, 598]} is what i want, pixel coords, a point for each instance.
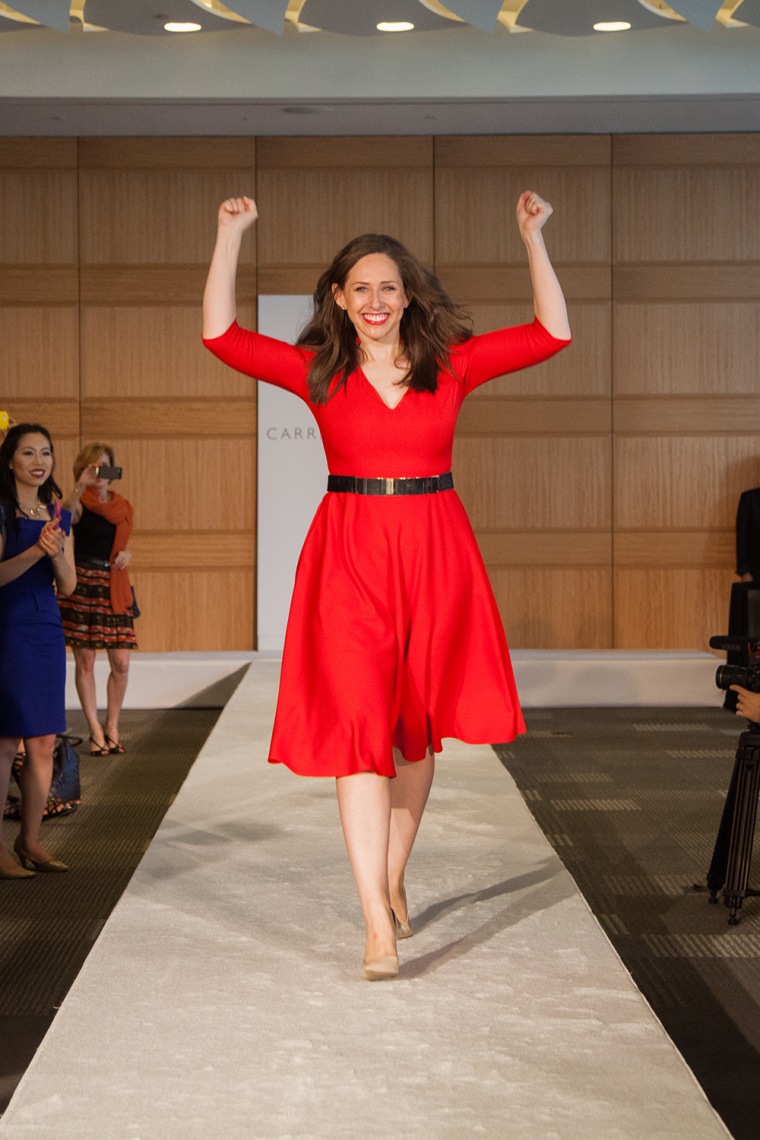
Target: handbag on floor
{"type": "Point", "coordinates": [65, 789]}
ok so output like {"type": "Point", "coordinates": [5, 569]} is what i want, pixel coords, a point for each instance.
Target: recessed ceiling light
{"type": "Point", "coordinates": [177, 27]}
{"type": "Point", "coordinates": [612, 26]}
{"type": "Point", "coordinates": [395, 26]}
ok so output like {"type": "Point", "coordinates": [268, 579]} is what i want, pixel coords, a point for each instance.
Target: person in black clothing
{"type": "Point", "coordinates": [748, 536]}
{"type": "Point", "coordinates": [100, 614]}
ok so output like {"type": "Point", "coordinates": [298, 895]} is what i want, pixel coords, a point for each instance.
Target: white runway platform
{"type": "Point", "coordinates": [223, 998]}
{"type": "Point", "coordinates": [561, 678]}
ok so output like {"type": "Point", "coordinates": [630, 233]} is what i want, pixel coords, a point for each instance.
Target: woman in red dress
{"type": "Point", "coordinates": [394, 640]}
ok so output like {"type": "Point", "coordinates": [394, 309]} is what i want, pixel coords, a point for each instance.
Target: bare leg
{"type": "Point", "coordinates": [35, 778]}
{"type": "Point", "coordinates": [409, 794]}
{"type": "Point", "coordinates": [118, 659]}
{"type": "Point", "coordinates": [364, 801]}
{"type": "Point", "coordinates": [8, 747]}
{"type": "Point", "coordinates": [84, 677]}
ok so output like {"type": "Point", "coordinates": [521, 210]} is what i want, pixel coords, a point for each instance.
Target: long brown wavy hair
{"type": "Point", "coordinates": [431, 324]}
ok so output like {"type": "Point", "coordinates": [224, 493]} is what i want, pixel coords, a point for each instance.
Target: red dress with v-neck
{"type": "Point", "coordinates": [394, 638]}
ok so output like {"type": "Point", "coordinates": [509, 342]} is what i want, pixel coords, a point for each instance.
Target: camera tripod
{"type": "Point", "coordinates": [732, 854]}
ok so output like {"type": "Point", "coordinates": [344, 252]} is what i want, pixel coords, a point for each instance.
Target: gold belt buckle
{"type": "Point", "coordinates": [389, 488]}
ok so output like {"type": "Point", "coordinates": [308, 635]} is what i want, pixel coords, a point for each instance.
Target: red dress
{"type": "Point", "coordinates": [394, 637]}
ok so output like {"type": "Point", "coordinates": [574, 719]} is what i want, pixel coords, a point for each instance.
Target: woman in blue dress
{"type": "Point", "coordinates": [36, 559]}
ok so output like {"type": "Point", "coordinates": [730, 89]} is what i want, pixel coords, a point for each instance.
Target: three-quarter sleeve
{"type": "Point", "coordinates": [263, 358]}
{"type": "Point", "coordinates": [496, 353]}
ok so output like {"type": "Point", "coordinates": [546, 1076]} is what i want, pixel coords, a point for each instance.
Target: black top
{"type": "Point", "coordinates": [748, 534]}
{"type": "Point", "coordinates": [93, 537]}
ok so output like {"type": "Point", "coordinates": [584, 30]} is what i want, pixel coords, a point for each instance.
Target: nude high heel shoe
{"type": "Point", "coordinates": [16, 873]}
{"type": "Point", "coordinates": [380, 969]}
{"type": "Point", "coordinates": [403, 929]}
{"type": "Point", "coordinates": [34, 864]}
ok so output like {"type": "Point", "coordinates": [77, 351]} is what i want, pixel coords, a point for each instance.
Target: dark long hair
{"type": "Point", "coordinates": [8, 496]}
{"type": "Point", "coordinates": [431, 324]}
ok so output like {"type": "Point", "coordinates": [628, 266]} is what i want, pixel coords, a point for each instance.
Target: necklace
{"type": "Point", "coordinates": [32, 512]}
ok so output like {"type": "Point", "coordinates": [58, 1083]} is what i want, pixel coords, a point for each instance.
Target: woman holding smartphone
{"type": "Point", "coordinates": [100, 613]}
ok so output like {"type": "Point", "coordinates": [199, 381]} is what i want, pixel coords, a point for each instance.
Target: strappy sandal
{"type": "Point", "coordinates": [59, 807]}
{"type": "Point", "coordinates": [114, 748]}
{"type": "Point", "coordinates": [98, 749]}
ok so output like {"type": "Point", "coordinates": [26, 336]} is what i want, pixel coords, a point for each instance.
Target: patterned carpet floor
{"type": "Point", "coordinates": [49, 924]}
{"type": "Point", "coordinates": [631, 800]}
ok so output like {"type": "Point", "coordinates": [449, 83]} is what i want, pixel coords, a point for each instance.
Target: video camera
{"type": "Point", "coordinates": [743, 670]}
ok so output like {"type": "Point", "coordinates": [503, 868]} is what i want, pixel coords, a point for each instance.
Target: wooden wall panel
{"type": "Point", "coordinates": [697, 348]}
{"type": "Point", "coordinates": [39, 365]}
{"type": "Point", "coordinates": [314, 195]}
{"type": "Point", "coordinates": [183, 426]}
{"type": "Point", "coordinates": [40, 352]}
{"type": "Point", "coordinates": [533, 451]}
{"type": "Point", "coordinates": [201, 610]}
{"type": "Point", "coordinates": [521, 482]}
{"type": "Point", "coordinates": [681, 482]}
{"type": "Point", "coordinates": [156, 352]}
{"type": "Point", "coordinates": [618, 463]}
{"type": "Point", "coordinates": [670, 609]}
{"type": "Point", "coordinates": [667, 198]}
{"type": "Point", "coordinates": [686, 244]}
{"type": "Point", "coordinates": [554, 606]}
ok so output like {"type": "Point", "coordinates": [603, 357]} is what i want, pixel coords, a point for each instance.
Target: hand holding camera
{"type": "Point", "coordinates": [742, 679]}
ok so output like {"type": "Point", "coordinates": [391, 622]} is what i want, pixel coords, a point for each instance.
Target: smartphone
{"type": "Point", "coordinates": [109, 473]}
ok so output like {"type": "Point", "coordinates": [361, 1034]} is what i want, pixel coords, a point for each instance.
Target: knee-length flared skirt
{"type": "Point", "coordinates": [394, 639]}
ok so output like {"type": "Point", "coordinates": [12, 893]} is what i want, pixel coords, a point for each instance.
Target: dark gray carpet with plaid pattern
{"type": "Point", "coordinates": [631, 799]}
{"type": "Point", "coordinates": [48, 924]}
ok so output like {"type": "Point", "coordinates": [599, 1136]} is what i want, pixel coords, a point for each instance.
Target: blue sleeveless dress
{"type": "Point", "coordinates": [32, 647]}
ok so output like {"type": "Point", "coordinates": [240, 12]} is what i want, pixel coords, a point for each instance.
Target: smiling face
{"type": "Point", "coordinates": [374, 298]}
{"type": "Point", "coordinates": [32, 461]}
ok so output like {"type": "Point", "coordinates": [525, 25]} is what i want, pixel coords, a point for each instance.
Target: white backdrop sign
{"type": "Point", "coordinates": [292, 477]}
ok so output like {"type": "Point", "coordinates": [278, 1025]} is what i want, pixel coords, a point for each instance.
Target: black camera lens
{"type": "Point", "coordinates": [727, 675]}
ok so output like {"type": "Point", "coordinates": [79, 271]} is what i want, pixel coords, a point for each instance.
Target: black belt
{"type": "Point", "coordinates": [358, 486]}
{"type": "Point", "coordinates": [95, 562]}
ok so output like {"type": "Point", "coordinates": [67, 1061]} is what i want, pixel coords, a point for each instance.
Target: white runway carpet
{"type": "Point", "coordinates": [224, 997]}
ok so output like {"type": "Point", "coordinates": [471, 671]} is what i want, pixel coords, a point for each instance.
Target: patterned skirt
{"type": "Point", "coordinates": [88, 620]}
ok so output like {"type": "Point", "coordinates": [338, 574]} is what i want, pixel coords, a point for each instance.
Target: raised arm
{"type": "Point", "coordinates": [85, 480]}
{"type": "Point", "coordinates": [235, 216]}
{"type": "Point", "coordinates": [548, 300]}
